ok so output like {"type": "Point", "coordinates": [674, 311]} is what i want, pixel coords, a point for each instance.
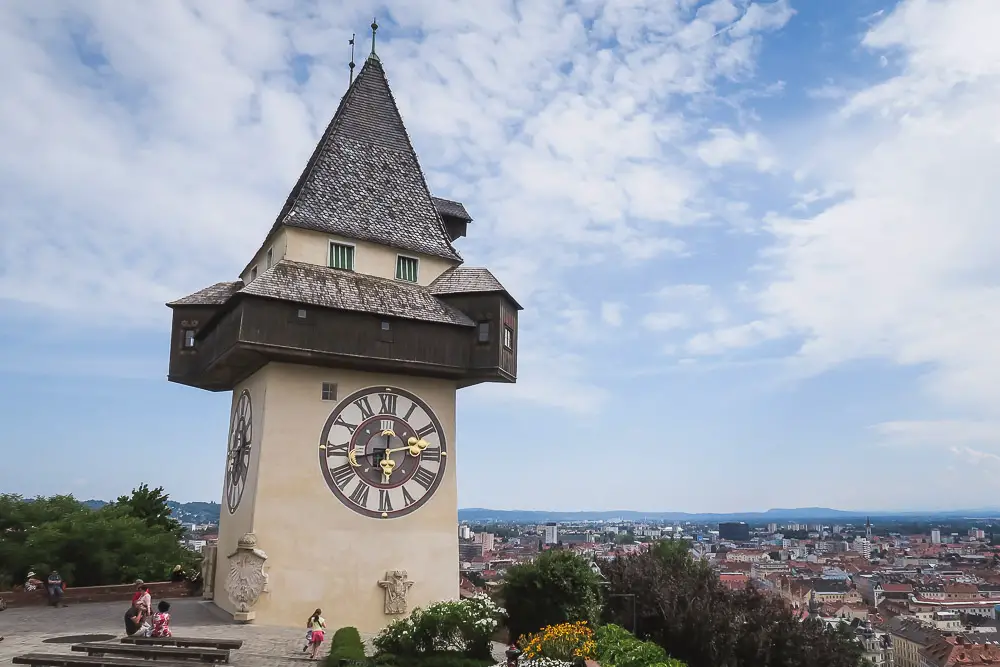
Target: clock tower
{"type": "Point", "coordinates": [344, 342]}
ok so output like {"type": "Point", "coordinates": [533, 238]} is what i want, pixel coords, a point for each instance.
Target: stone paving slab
{"type": "Point", "coordinates": [24, 630]}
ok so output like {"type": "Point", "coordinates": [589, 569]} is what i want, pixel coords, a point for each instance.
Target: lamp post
{"type": "Point", "coordinates": [622, 595]}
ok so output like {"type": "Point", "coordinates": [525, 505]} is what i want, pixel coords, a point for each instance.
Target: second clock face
{"type": "Point", "coordinates": [383, 452]}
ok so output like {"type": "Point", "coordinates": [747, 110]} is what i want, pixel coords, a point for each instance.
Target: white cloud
{"type": "Point", "coordinates": [944, 432]}
{"type": "Point", "coordinates": [612, 313]}
{"type": "Point", "coordinates": [902, 263]}
{"type": "Point", "coordinates": [147, 150]}
{"type": "Point", "coordinates": [665, 321]}
{"type": "Point", "coordinates": [726, 147]}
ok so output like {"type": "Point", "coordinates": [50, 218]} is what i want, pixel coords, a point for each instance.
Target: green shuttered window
{"type": "Point", "coordinates": [342, 256]}
{"type": "Point", "coordinates": [406, 268]}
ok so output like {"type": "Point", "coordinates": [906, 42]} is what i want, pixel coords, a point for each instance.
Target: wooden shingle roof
{"type": "Point", "coordinates": [214, 295]}
{"type": "Point", "coordinates": [315, 285]}
{"type": "Point", "coordinates": [468, 280]}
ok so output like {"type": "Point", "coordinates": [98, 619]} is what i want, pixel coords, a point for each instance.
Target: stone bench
{"type": "Point", "coordinates": [76, 660]}
{"type": "Point", "coordinates": [177, 653]}
{"type": "Point", "coordinates": [227, 644]}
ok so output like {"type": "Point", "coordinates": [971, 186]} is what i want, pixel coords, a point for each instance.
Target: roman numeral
{"type": "Point", "coordinates": [387, 424]}
{"type": "Point", "coordinates": [407, 498]}
{"type": "Point", "coordinates": [425, 431]}
{"type": "Point", "coordinates": [365, 406]}
{"type": "Point", "coordinates": [340, 422]}
{"type": "Point", "coordinates": [409, 413]}
{"type": "Point", "coordinates": [431, 454]}
{"type": "Point", "coordinates": [388, 406]}
{"type": "Point", "coordinates": [384, 503]}
{"type": "Point", "coordinates": [339, 450]}
{"type": "Point", "coordinates": [360, 494]}
{"type": "Point", "coordinates": [342, 475]}
{"type": "Point", "coordinates": [423, 477]}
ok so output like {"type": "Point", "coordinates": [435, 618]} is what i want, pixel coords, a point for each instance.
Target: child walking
{"type": "Point", "coordinates": [314, 635]}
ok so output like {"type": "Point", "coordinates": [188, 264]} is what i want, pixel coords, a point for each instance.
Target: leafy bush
{"type": "Point", "coordinates": [346, 644]}
{"type": "Point", "coordinates": [564, 641]}
{"type": "Point", "coordinates": [617, 647]}
{"type": "Point", "coordinates": [558, 587]}
{"type": "Point", "coordinates": [464, 627]}
{"type": "Point", "coordinates": [443, 659]}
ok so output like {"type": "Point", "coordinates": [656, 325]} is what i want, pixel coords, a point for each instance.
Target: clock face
{"type": "Point", "coordinates": [240, 448]}
{"type": "Point", "coordinates": [383, 452]}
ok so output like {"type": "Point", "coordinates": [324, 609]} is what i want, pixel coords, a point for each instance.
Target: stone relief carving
{"type": "Point", "coordinates": [246, 580]}
{"type": "Point", "coordinates": [209, 554]}
{"type": "Point", "coordinates": [396, 586]}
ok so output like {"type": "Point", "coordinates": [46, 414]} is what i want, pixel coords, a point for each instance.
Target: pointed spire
{"type": "Point", "coordinates": [363, 180]}
{"type": "Point", "coordinates": [350, 65]}
{"type": "Point", "coordinates": [374, 30]}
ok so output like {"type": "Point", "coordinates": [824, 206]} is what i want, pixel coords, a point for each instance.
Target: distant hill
{"type": "Point", "coordinates": [804, 514]}
{"type": "Point", "coordinates": [194, 512]}
{"type": "Point", "coordinates": [201, 512]}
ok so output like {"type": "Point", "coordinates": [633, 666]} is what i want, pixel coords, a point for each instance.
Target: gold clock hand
{"type": "Point", "coordinates": [414, 446]}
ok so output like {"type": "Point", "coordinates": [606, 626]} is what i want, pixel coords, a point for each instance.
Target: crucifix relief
{"type": "Point", "coordinates": [396, 586]}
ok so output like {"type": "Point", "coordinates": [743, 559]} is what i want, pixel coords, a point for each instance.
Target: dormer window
{"type": "Point", "coordinates": [406, 268]}
{"type": "Point", "coordinates": [253, 273]}
{"type": "Point", "coordinates": [341, 256]}
{"type": "Point", "coordinates": [270, 257]}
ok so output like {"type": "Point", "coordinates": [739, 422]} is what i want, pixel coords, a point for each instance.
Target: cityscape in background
{"type": "Point", "coordinates": [918, 591]}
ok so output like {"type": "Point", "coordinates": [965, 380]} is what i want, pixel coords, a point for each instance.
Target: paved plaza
{"type": "Point", "coordinates": [26, 628]}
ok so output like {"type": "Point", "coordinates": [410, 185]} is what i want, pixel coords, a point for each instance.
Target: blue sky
{"type": "Point", "coordinates": [756, 242]}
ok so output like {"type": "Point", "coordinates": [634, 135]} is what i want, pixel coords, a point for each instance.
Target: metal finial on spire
{"type": "Point", "coordinates": [374, 30]}
{"type": "Point", "coordinates": [350, 79]}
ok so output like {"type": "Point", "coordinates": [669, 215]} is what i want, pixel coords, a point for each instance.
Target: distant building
{"type": "Point", "coordinates": [738, 531]}
{"type": "Point", "coordinates": [486, 539]}
{"type": "Point", "coordinates": [464, 532]}
{"type": "Point", "coordinates": [935, 536]}
{"type": "Point", "coordinates": [549, 533]}
{"type": "Point", "coordinates": [469, 550]}
{"type": "Point", "coordinates": [772, 528]}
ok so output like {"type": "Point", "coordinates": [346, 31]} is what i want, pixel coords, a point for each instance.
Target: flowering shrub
{"type": "Point", "coordinates": [464, 626]}
{"type": "Point", "coordinates": [542, 662]}
{"type": "Point", "coordinates": [564, 641]}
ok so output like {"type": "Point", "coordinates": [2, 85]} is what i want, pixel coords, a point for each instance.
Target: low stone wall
{"type": "Point", "coordinates": [123, 592]}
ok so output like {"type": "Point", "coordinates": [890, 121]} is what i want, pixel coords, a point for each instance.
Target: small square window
{"type": "Point", "coordinates": [189, 339]}
{"type": "Point", "coordinates": [385, 332]}
{"type": "Point", "coordinates": [341, 256]}
{"type": "Point", "coordinates": [385, 326]}
{"type": "Point", "coordinates": [329, 392]}
{"type": "Point", "coordinates": [270, 257]}
{"type": "Point", "coordinates": [483, 332]}
{"type": "Point", "coordinates": [253, 273]}
{"type": "Point", "coordinates": [508, 338]}
{"type": "Point", "coordinates": [301, 314]}
{"type": "Point", "coordinates": [406, 268]}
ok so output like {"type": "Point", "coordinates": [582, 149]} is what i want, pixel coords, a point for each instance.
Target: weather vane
{"type": "Point", "coordinates": [374, 29]}
{"type": "Point", "coordinates": [350, 79]}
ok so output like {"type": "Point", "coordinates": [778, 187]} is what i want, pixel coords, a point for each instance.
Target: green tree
{"type": "Point", "coordinates": [89, 547]}
{"type": "Point", "coordinates": [682, 606]}
{"type": "Point", "coordinates": [556, 587]}
{"type": "Point", "coordinates": [150, 506]}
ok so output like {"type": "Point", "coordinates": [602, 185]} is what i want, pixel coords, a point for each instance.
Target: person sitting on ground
{"type": "Point", "coordinates": [56, 587]}
{"type": "Point", "coordinates": [161, 620]}
{"type": "Point", "coordinates": [133, 621]}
